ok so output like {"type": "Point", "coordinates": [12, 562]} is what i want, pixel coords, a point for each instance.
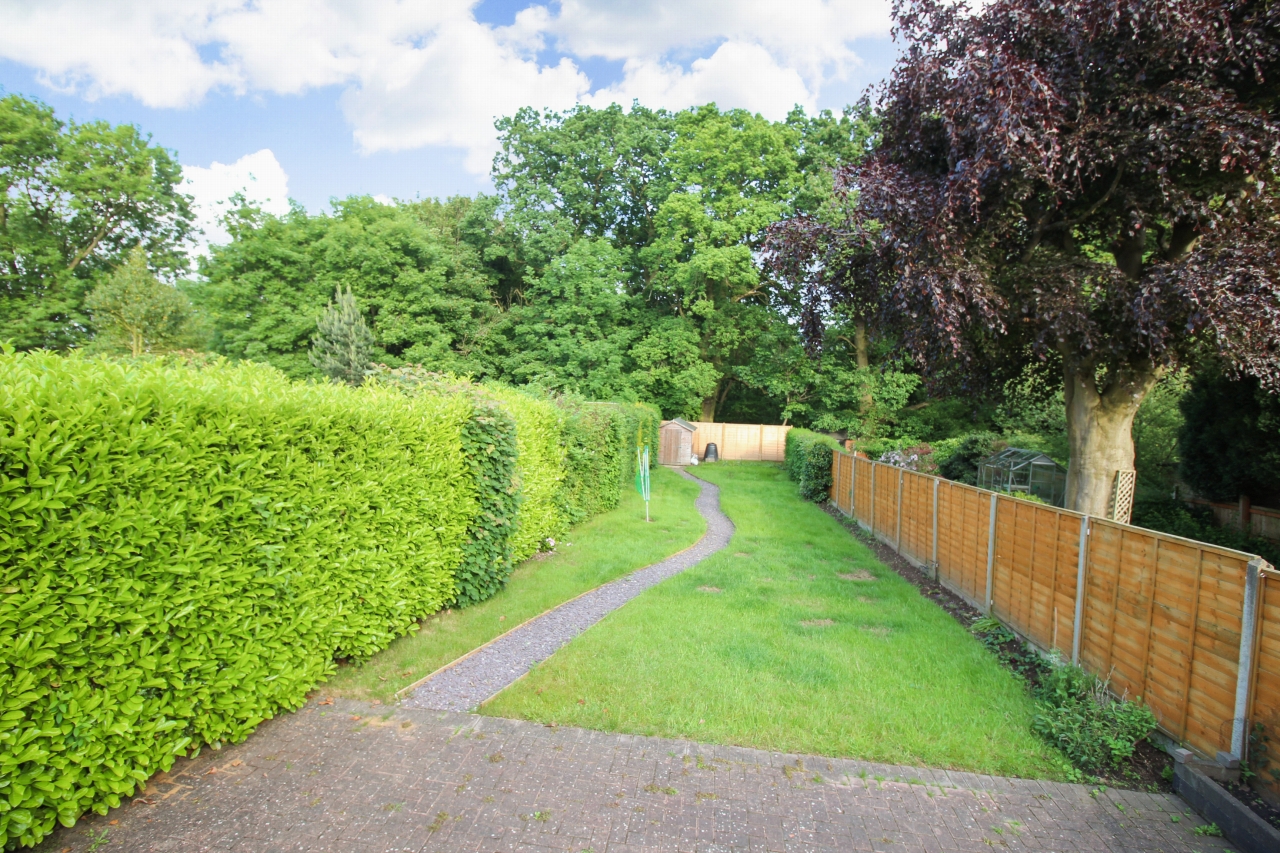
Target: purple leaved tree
{"type": "Point", "coordinates": [1083, 183]}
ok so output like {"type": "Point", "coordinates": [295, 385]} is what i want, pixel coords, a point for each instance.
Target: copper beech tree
{"type": "Point", "coordinates": [1083, 183]}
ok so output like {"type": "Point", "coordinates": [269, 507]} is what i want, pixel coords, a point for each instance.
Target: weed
{"type": "Point", "coordinates": [701, 795]}
{"type": "Point", "coordinates": [654, 789]}
{"type": "Point", "coordinates": [1078, 714]}
{"type": "Point", "coordinates": [496, 757]}
{"type": "Point", "coordinates": [441, 817]}
{"type": "Point", "coordinates": [541, 817]}
{"type": "Point", "coordinates": [1210, 830]}
{"type": "Point", "coordinates": [393, 807]}
{"type": "Point", "coordinates": [96, 841]}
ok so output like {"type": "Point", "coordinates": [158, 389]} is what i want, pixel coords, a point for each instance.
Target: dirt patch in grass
{"type": "Point", "coordinates": [741, 554]}
{"type": "Point", "coordinates": [818, 623]}
{"type": "Point", "coordinates": [856, 575]}
{"type": "Point", "coordinates": [711, 589]}
{"type": "Point", "coordinates": [878, 630]}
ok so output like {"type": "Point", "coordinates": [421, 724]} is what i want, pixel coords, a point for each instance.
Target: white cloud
{"type": "Point", "coordinates": [427, 73]}
{"type": "Point", "coordinates": [736, 75]}
{"type": "Point", "coordinates": [810, 36]}
{"type": "Point", "coordinates": [259, 177]}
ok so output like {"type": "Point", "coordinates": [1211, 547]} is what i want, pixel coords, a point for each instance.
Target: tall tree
{"type": "Point", "coordinates": [342, 344]}
{"type": "Point", "coordinates": [74, 198]}
{"type": "Point", "coordinates": [135, 312]}
{"type": "Point", "coordinates": [1084, 181]}
{"type": "Point", "coordinates": [426, 288]}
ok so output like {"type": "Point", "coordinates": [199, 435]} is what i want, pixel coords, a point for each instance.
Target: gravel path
{"type": "Point", "coordinates": [487, 671]}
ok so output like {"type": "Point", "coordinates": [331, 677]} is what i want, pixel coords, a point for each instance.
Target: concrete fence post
{"type": "Point", "coordinates": [1244, 673]}
{"type": "Point", "coordinates": [935, 529]}
{"type": "Point", "coordinates": [991, 553]}
{"type": "Point", "coordinates": [1081, 563]}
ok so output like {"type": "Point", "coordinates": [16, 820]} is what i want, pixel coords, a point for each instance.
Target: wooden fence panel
{"type": "Point", "coordinates": [742, 442]}
{"type": "Point", "coordinates": [886, 498]}
{"type": "Point", "coordinates": [862, 489]}
{"type": "Point", "coordinates": [1264, 708]}
{"type": "Point", "coordinates": [917, 517]}
{"type": "Point", "coordinates": [1161, 617]}
{"type": "Point", "coordinates": [1035, 570]}
{"type": "Point", "coordinates": [963, 516]}
{"type": "Point", "coordinates": [842, 483]}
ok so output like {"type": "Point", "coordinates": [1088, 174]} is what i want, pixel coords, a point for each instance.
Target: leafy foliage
{"type": "Point", "coordinates": [1078, 714]}
{"type": "Point", "coordinates": [74, 199]}
{"type": "Point", "coordinates": [425, 289]}
{"type": "Point", "coordinates": [807, 459]}
{"type": "Point", "coordinates": [1230, 442]}
{"type": "Point", "coordinates": [213, 537]}
{"type": "Point", "coordinates": [135, 313]}
{"type": "Point", "coordinates": [1084, 181]}
{"type": "Point", "coordinates": [211, 541]}
{"type": "Point", "coordinates": [489, 446]}
{"type": "Point", "coordinates": [342, 341]}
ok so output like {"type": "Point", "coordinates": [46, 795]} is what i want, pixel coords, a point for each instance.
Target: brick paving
{"type": "Point", "coordinates": [360, 778]}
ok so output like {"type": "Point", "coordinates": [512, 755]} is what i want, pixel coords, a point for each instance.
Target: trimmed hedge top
{"type": "Point", "coordinates": [189, 550]}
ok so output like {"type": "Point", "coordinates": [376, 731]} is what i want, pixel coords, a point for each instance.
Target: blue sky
{"type": "Point", "coordinates": [316, 99]}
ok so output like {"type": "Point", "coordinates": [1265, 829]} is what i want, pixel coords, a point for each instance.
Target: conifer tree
{"type": "Point", "coordinates": [342, 344]}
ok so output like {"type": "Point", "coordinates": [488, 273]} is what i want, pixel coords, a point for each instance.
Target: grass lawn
{"type": "Point", "coordinates": [766, 645]}
{"type": "Point", "coordinates": [595, 552]}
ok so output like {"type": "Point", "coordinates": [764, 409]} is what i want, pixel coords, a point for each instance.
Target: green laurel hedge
{"type": "Point", "coordinates": [600, 443]}
{"type": "Point", "coordinates": [186, 553]}
{"type": "Point", "coordinates": [541, 468]}
{"type": "Point", "coordinates": [187, 550]}
{"type": "Point", "coordinates": [808, 462]}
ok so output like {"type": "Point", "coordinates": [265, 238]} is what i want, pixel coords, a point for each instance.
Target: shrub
{"type": "Point", "coordinates": [808, 462]}
{"type": "Point", "coordinates": [1077, 713]}
{"type": "Point", "coordinates": [209, 541]}
{"type": "Point", "coordinates": [541, 467]}
{"type": "Point", "coordinates": [959, 461]}
{"type": "Point", "coordinates": [489, 447]}
{"type": "Point", "coordinates": [918, 457]}
{"type": "Point", "coordinates": [1197, 522]}
{"type": "Point", "coordinates": [600, 453]}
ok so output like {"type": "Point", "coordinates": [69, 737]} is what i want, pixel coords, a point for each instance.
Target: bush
{"type": "Point", "coordinates": [211, 538]}
{"type": "Point", "coordinates": [808, 462]}
{"type": "Point", "coordinates": [600, 445]}
{"type": "Point", "coordinates": [540, 437]}
{"type": "Point", "coordinates": [489, 447]}
{"type": "Point", "coordinates": [209, 542]}
{"type": "Point", "coordinates": [1077, 714]}
{"type": "Point", "coordinates": [1197, 522]}
{"type": "Point", "coordinates": [958, 460]}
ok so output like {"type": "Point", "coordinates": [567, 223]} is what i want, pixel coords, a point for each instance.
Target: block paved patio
{"type": "Point", "coordinates": [361, 778]}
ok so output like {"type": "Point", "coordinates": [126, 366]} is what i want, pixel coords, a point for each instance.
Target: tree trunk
{"type": "Point", "coordinates": [1100, 431]}
{"type": "Point", "coordinates": [709, 409]}
{"type": "Point", "coordinates": [860, 344]}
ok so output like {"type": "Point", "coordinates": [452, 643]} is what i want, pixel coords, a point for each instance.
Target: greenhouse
{"type": "Point", "coordinates": [1027, 471]}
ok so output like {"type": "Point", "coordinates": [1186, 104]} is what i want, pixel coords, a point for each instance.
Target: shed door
{"type": "Point", "coordinates": [668, 446]}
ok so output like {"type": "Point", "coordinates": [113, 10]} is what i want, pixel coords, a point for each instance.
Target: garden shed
{"type": "Point", "coordinates": [675, 445]}
{"type": "Point", "coordinates": [1027, 471]}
